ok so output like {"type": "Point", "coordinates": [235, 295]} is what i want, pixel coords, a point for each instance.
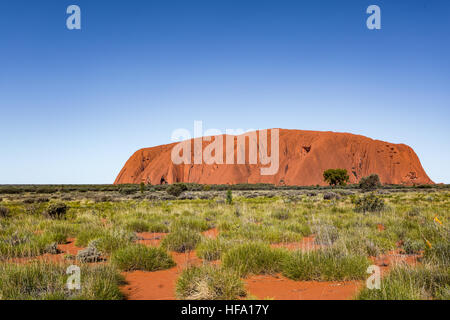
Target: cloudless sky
{"type": "Point", "coordinates": [75, 104]}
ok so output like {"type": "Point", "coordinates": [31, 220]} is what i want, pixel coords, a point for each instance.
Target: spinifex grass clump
{"type": "Point", "coordinates": [258, 232]}
{"type": "Point", "coordinates": [325, 265]}
{"type": "Point", "coordinates": [212, 249]}
{"type": "Point", "coordinates": [254, 258]}
{"type": "Point", "coordinates": [181, 240]}
{"type": "Point", "coordinates": [281, 214]}
{"type": "Point", "coordinates": [44, 281]}
{"type": "Point", "coordinates": [209, 283]}
{"type": "Point", "coordinates": [23, 244]}
{"type": "Point", "coordinates": [140, 257]}
{"type": "Point", "coordinates": [114, 239]}
{"type": "Point", "coordinates": [137, 225]}
{"type": "Point", "coordinates": [190, 222]}
{"type": "Point", "coordinates": [412, 283]}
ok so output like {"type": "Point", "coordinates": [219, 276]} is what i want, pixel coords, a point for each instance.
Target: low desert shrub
{"type": "Point", "coordinates": [209, 283]}
{"type": "Point", "coordinates": [369, 203]}
{"type": "Point", "coordinates": [141, 257]}
{"type": "Point", "coordinates": [229, 197]}
{"type": "Point", "coordinates": [330, 196]}
{"type": "Point", "coordinates": [89, 254]}
{"type": "Point", "coordinates": [56, 210]}
{"type": "Point", "coordinates": [370, 183]}
{"type": "Point", "coordinates": [176, 189]}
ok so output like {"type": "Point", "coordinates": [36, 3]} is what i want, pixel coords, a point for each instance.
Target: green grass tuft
{"type": "Point", "coordinates": [140, 257]}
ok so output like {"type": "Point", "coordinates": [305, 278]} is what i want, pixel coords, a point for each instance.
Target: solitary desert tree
{"type": "Point", "coordinates": [369, 183]}
{"type": "Point", "coordinates": [336, 177]}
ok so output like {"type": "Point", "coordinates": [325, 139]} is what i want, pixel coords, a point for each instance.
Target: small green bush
{"type": "Point", "coordinates": [370, 183]}
{"type": "Point", "coordinates": [369, 203]}
{"type": "Point", "coordinates": [57, 210]}
{"type": "Point", "coordinates": [209, 283]}
{"type": "Point", "coordinates": [229, 196]}
{"type": "Point", "coordinates": [331, 196]}
{"type": "Point", "coordinates": [141, 257]}
{"type": "Point", "coordinates": [336, 177]}
{"type": "Point", "coordinates": [176, 189]}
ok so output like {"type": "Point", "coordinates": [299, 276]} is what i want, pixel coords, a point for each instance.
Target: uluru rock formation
{"type": "Point", "coordinates": [303, 156]}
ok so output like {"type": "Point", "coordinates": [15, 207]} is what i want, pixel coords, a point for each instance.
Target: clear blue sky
{"type": "Point", "coordinates": [75, 105]}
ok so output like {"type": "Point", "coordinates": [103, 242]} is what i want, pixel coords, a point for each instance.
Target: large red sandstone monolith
{"type": "Point", "coordinates": [303, 156]}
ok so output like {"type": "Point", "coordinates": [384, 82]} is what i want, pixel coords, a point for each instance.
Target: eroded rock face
{"type": "Point", "coordinates": [303, 156]}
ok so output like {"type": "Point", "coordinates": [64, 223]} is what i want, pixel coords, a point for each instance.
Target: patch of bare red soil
{"type": "Point", "coordinates": [280, 288]}
{"type": "Point", "coordinates": [65, 249]}
{"type": "Point", "coordinates": [211, 233]}
{"type": "Point", "coordinates": [150, 238]}
{"type": "Point", "coordinates": [392, 258]}
{"type": "Point", "coordinates": [157, 285]}
{"type": "Point", "coordinates": [306, 244]}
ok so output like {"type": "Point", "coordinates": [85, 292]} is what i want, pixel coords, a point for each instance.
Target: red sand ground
{"type": "Point", "coordinates": [211, 233]}
{"type": "Point", "coordinates": [303, 156]}
{"type": "Point", "coordinates": [68, 248]}
{"type": "Point", "coordinates": [150, 238]}
{"type": "Point", "coordinates": [160, 285]}
{"type": "Point", "coordinates": [157, 285]}
{"type": "Point", "coordinates": [280, 288]}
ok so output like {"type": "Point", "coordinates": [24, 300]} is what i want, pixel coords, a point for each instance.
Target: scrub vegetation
{"type": "Point", "coordinates": [236, 232]}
